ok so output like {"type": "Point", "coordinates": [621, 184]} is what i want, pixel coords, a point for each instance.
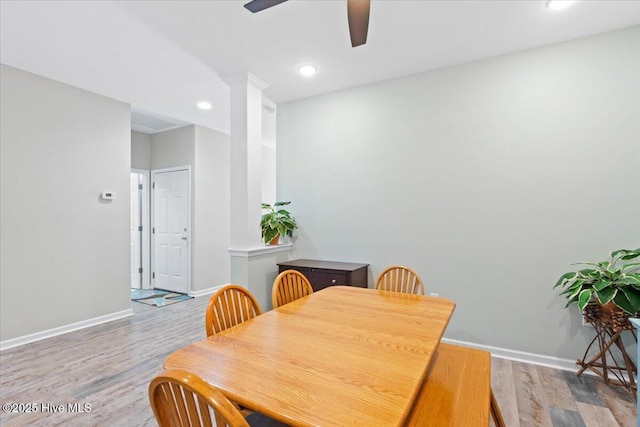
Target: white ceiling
{"type": "Point", "coordinates": [164, 56]}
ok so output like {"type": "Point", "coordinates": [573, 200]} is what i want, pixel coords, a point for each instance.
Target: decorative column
{"type": "Point", "coordinates": [246, 159]}
{"type": "Point", "coordinates": [252, 263]}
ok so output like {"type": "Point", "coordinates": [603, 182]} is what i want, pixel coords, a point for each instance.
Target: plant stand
{"type": "Point", "coordinates": [609, 324]}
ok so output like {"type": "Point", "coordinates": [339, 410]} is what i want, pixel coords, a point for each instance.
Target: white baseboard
{"type": "Point", "coordinates": [523, 356]}
{"type": "Point", "coordinates": [25, 339]}
{"type": "Point", "coordinates": [531, 358]}
{"type": "Point", "coordinates": [203, 292]}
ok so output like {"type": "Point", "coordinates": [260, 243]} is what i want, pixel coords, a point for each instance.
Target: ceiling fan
{"type": "Point", "coordinates": [357, 14]}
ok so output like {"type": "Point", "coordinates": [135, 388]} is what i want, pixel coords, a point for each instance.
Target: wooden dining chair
{"type": "Point", "coordinates": [230, 306]}
{"type": "Point", "coordinates": [180, 398]}
{"type": "Point", "coordinates": [289, 285]}
{"type": "Point", "coordinates": [399, 278]}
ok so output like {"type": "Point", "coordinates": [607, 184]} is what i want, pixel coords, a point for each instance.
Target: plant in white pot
{"type": "Point", "coordinates": [276, 222]}
{"type": "Point", "coordinates": [615, 281]}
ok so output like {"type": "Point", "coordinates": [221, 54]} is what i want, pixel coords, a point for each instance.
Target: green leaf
{"type": "Point", "coordinates": [629, 280]}
{"type": "Point", "coordinates": [624, 254]}
{"type": "Point", "coordinates": [606, 295]}
{"type": "Point", "coordinates": [612, 272]}
{"type": "Point", "coordinates": [633, 264]}
{"type": "Point", "coordinates": [569, 291]}
{"type": "Point", "coordinates": [631, 254]}
{"type": "Point", "coordinates": [601, 284]}
{"type": "Point", "coordinates": [583, 298]}
{"type": "Point", "coordinates": [619, 251]}
{"type": "Point", "coordinates": [586, 263]}
{"type": "Point", "coordinates": [565, 277]}
{"type": "Point", "coordinates": [281, 203]}
{"type": "Point", "coordinates": [574, 293]}
{"type": "Point", "coordinates": [588, 271]}
{"type": "Point", "coordinates": [269, 235]}
{"type": "Point", "coordinates": [576, 285]}
{"type": "Point", "coordinates": [633, 296]}
{"type": "Point", "coordinates": [635, 285]}
{"type": "Point", "coordinates": [622, 301]}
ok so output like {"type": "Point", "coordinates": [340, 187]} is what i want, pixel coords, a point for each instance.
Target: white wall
{"type": "Point", "coordinates": [140, 150]}
{"type": "Point", "coordinates": [64, 256]}
{"type": "Point", "coordinates": [488, 178]}
{"type": "Point", "coordinates": [211, 216]}
{"type": "Point", "coordinates": [268, 164]}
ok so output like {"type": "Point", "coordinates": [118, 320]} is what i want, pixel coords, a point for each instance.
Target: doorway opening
{"type": "Point", "coordinates": [171, 229]}
{"type": "Point", "coordinates": [139, 229]}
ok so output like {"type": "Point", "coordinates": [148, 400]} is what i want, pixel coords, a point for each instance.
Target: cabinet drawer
{"type": "Point", "coordinates": [321, 279]}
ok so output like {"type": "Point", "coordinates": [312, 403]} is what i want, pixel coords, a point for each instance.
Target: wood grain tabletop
{"type": "Point", "coordinates": [343, 356]}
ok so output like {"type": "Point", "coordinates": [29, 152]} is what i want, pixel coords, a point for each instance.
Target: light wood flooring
{"type": "Point", "coordinates": [109, 367]}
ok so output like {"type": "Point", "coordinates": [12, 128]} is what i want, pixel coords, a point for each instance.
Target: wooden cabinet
{"type": "Point", "coordinates": [322, 274]}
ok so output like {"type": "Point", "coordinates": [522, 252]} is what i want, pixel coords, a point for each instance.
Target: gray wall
{"type": "Point", "coordinates": [488, 178]}
{"type": "Point", "coordinates": [268, 175]}
{"type": "Point", "coordinates": [140, 150]}
{"type": "Point", "coordinates": [173, 148]}
{"type": "Point", "coordinates": [64, 257]}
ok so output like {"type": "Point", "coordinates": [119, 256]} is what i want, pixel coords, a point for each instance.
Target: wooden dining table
{"type": "Point", "coordinates": [342, 356]}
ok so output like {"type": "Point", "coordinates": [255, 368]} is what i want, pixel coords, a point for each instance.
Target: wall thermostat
{"type": "Point", "coordinates": [107, 195]}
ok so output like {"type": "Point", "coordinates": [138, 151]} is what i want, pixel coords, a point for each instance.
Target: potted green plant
{"type": "Point", "coordinates": [276, 222]}
{"type": "Point", "coordinates": [614, 281]}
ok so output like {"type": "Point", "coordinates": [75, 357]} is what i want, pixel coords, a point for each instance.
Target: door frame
{"type": "Point", "coordinates": [145, 221]}
{"type": "Point", "coordinates": [154, 172]}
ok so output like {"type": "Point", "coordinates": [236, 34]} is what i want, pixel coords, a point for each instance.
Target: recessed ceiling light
{"type": "Point", "coordinates": [308, 70]}
{"type": "Point", "coordinates": [204, 105]}
{"type": "Point", "coordinates": [559, 4]}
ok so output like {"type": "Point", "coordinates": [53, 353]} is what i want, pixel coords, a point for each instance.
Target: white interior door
{"type": "Point", "coordinates": [136, 231]}
{"type": "Point", "coordinates": [170, 230]}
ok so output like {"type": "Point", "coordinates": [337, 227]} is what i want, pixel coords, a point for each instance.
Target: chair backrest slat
{"type": "Point", "coordinates": [192, 411]}
{"type": "Point", "coordinates": [178, 400]}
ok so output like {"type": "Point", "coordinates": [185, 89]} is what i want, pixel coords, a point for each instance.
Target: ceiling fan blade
{"type": "Point", "coordinates": [358, 14]}
{"type": "Point", "coordinates": [258, 5]}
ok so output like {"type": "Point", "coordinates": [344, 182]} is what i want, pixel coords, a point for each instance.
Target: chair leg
{"type": "Point", "coordinates": [495, 412]}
